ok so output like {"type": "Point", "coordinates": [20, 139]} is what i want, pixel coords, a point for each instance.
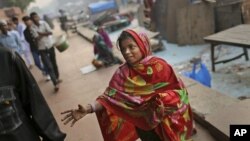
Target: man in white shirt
{"type": "Point", "coordinates": [43, 33]}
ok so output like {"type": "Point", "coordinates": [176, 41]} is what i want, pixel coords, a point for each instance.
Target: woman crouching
{"type": "Point", "coordinates": [144, 98]}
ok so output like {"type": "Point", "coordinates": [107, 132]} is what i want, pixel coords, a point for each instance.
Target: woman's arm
{"type": "Point", "coordinates": [74, 115]}
{"type": "Point", "coordinates": [94, 107]}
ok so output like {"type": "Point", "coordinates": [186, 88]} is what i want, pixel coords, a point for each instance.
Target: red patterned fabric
{"type": "Point", "coordinates": [147, 95]}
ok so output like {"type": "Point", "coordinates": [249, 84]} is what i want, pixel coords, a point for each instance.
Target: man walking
{"type": "Point", "coordinates": [42, 33]}
{"type": "Point", "coordinates": [33, 45]}
{"type": "Point", "coordinates": [63, 21]}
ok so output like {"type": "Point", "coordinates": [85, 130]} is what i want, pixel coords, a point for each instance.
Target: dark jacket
{"type": "Point", "coordinates": [30, 39]}
{"type": "Point", "coordinates": [24, 113]}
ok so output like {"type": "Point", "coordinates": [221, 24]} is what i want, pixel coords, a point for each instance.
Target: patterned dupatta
{"type": "Point", "coordinates": [148, 96]}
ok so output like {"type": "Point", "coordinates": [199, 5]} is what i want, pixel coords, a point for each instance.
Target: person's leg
{"type": "Point", "coordinates": [40, 65]}
{"type": "Point", "coordinates": [37, 60]}
{"type": "Point", "coordinates": [47, 63]}
{"type": "Point", "coordinates": [27, 54]}
{"type": "Point", "coordinates": [65, 28]}
{"type": "Point", "coordinates": [52, 56]}
{"type": "Point", "coordinates": [27, 58]}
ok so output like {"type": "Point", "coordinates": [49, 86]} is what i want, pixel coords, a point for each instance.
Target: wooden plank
{"type": "Point", "coordinates": [188, 82]}
{"type": "Point", "coordinates": [227, 16]}
{"type": "Point", "coordinates": [183, 26]}
{"type": "Point", "coordinates": [216, 111]}
{"type": "Point", "coordinates": [246, 11]}
{"type": "Point", "coordinates": [205, 102]}
{"type": "Point", "coordinates": [227, 2]}
{"type": "Point", "coordinates": [194, 22]}
{"type": "Point", "coordinates": [164, 14]}
{"type": "Point", "coordinates": [86, 33]}
{"type": "Point", "coordinates": [211, 1]}
{"type": "Point", "coordinates": [150, 34]}
{"type": "Point", "coordinates": [202, 134]}
{"type": "Point", "coordinates": [238, 35]}
{"type": "Point", "coordinates": [237, 113]}
{"type": "Point", "coordinates": [216, 133]}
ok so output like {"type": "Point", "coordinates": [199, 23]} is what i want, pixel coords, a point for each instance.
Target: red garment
{"type": "Point", "coordinates": [148, 96]}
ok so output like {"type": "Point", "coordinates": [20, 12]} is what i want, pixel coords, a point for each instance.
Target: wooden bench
{"type": "Point", "coordinates": [216, 111]}
{"type": "Point", "coordinates": [237, 36]}
{"type": "Point", "coordinates": [86, 33]}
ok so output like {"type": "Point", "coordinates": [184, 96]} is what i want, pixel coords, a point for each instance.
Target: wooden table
{"type": "Point", "coordinates": [238, 36]}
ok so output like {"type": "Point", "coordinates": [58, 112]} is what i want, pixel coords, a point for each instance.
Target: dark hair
{"type": "Point", "coordinates": [14, 19]}
{"type": "Point", "coordinates": [26, 18]}
{"type": "Point", "coordinates": [124, 35]}
{"type": "Point", "coordinates": [33, 14]}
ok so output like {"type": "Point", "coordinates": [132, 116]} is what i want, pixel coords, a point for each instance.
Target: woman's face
{"type": "Point", "coordinates": [130, 51]}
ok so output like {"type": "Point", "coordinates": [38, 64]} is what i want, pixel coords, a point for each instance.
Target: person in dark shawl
{"type": "Point", "coordinates": [105, 37]}
{"type": "Point", "coordinates": [103, 53]}
{"type": "Point", "coordinates": [24, 113]}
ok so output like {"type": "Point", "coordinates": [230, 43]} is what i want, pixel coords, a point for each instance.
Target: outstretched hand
{"type": "Point", "coordinates": [74, 115]}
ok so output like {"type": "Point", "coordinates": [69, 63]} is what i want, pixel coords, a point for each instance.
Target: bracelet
{"type": "Point", "coordinates": [92, 107]}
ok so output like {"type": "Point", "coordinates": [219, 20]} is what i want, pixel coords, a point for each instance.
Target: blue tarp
{"type": "Point", "coordinates": [102, 6]}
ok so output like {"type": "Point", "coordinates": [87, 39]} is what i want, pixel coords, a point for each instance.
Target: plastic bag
{"type": "Point", "coordinates": [202, 75]}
